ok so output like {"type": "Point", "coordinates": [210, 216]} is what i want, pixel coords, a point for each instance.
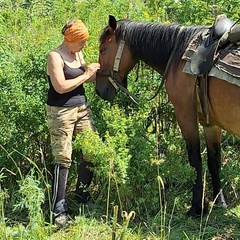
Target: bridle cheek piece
{"type": "Point", "coordinates": [114, 76]}
{"type": "Point", "coordinates": [114, 72]}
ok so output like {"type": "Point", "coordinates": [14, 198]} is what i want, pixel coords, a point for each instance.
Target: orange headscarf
{"type": "Point", "coordinates": [76, 32]}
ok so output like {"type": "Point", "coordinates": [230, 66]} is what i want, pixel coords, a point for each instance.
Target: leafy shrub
{"type": "Point", "coordinates": [142, 142]}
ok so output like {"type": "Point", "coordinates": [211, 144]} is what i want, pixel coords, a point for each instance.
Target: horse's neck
{"type": "Point", "coordinates": [155, 46]}
{"type": "Point", "coordinates": [156, 63]}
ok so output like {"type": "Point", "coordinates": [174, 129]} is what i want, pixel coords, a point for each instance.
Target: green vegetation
{"type": "Point", "coordinates": [138, 152]}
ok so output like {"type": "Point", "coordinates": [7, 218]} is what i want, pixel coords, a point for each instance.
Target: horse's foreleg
{"type": "Point", "coordinates": [183, 96]}
{"type": "Point", "coordinates": [199, 204]}
{"type": "Point", "coordinates": [213, 141]}
{"type": "Point", "coordinates": [189, 127]}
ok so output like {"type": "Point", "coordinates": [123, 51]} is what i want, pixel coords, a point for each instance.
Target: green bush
{"type": "Point", "coordinates": [138, 147]}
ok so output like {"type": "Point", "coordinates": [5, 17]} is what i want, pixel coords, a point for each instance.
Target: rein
{"type": "Point", "coordinates": [164, 76]}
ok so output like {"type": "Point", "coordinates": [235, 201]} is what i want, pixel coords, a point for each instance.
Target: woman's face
{"type": "Point", "coordinates": [78, 46]}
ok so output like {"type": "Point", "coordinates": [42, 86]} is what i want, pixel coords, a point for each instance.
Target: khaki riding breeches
{"type": "Point", "coordinates": [64, 123]}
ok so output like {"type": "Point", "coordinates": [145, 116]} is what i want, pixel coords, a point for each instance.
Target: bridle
{"type": "Point", "coordinates": [114, 77]}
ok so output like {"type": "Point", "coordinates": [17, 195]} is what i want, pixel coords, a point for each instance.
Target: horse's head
{"type": "Point", "coordinates": [115, 60]}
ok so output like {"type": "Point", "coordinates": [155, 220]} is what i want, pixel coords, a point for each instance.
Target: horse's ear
{"type": "Point", "coordinates": [112, 22]}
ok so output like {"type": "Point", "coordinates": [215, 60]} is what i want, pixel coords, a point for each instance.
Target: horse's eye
{"type": "Point", "coordinates": [103, 49]}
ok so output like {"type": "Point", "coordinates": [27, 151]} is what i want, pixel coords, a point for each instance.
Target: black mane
{"type": "Point", "coordinates": [153, 42]}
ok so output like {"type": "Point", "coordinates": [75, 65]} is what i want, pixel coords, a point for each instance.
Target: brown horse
{"type": "Point", "coordinates": [123, 43]}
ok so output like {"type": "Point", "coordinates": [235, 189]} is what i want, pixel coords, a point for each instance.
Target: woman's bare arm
{"type": "Point", "coordinates": [55, 71]}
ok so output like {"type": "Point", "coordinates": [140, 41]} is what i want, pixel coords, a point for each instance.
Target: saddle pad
{"type": "Point", "coordinates": [226, 67]}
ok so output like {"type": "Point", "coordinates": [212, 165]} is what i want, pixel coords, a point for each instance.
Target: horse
{"type": "Point", "coordinates": [125, 42]}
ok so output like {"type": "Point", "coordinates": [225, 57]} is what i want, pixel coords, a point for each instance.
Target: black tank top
{"type": "Point", "coordinates": [76, 97]}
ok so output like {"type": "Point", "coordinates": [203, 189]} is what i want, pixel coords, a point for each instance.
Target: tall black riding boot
{"type": "Point", "coordinates": [59, 195]}
{"type": "Point", "coordinates": [85, 176]}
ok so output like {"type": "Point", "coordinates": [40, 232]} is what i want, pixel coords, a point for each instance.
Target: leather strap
{"type": "Point", "coordinates": [118, 55]}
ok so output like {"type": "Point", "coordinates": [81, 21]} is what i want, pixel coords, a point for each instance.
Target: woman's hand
{"type": "Point", "coordinates": [91, 71]}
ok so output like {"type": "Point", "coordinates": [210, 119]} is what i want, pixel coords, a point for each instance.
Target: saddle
{"type": "Point", "coordinates": [203, 52]}
{"type": "Point", "coordinates": [208, 41]}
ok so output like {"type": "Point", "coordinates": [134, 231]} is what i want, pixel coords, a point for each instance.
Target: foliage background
{"type": "Point", "coordinates": [142, 141]}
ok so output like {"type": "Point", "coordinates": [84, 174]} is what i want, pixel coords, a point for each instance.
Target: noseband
{"type": "Point", "coordinates": [114, 77]}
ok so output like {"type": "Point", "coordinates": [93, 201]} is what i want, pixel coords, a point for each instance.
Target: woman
{"type": "Point", "coordinates": [68, 112]}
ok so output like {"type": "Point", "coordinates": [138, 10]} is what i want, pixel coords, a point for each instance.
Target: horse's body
{"type": "Point", "coordinates": [153, 43]}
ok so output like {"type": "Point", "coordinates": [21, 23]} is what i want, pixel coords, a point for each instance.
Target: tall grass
{"type": "Point", "coordinates": [141, 163]}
